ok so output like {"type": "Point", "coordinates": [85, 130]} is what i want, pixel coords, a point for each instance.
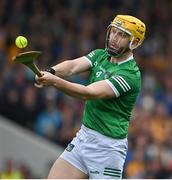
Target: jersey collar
{"type": "Point", "coordinates": [130, 58]}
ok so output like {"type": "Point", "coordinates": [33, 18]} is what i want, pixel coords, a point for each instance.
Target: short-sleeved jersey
{"type": "Point", "coordinates": [111, 116]}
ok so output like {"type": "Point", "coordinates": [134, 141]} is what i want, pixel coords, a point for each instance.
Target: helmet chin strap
{"type": "Point", "coordinates": [117, 55]}
{"type": "Point", "coordinates": [114, 53]}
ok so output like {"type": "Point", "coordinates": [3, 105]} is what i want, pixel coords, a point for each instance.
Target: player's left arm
{"type": "Point", "coordinates": [96, 90]}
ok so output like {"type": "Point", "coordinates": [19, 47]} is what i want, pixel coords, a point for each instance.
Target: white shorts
{"type": "Point", "coordinates": [98, 156]}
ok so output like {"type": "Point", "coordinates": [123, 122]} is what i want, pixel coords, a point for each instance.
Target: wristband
{"type": "Point", "coordinates": [51, 70]}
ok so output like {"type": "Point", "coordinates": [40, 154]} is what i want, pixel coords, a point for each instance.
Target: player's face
{"type": "Point", "coordinates": [118, 39]}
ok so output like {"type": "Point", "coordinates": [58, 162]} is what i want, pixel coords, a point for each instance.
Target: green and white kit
{"type": "Point", "coordinates": [100, 147]}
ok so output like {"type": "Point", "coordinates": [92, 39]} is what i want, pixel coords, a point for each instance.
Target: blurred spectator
{"type": "Point", "coordinates": [10, 171]}
{"type": "Point", "coordinates": [49, 120]}
{"type": "Point", "coordinates": [30, 106]}
{"type": "Point", "coordinates": [72, 112]}
{"type": "Point", "coordinates": [15, 170]}
{"type": "Point", "coordinates": [136, 168]}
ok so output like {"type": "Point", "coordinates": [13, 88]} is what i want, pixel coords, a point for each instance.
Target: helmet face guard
{"type": "Point", "coordinates": [113, 46]}
{"type": "Point", "coordinates": [129, 25]}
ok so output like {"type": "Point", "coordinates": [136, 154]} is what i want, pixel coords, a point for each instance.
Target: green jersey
{"type": "Point", "coordinates": [111, 116]}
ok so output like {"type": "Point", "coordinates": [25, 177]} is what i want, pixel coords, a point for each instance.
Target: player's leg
{"type": "Point", "coordinates": [64, 170]}
{"type": "Point", "coordinates": [70, 164]}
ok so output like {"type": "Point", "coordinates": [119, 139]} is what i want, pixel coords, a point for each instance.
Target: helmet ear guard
{"type": "Point", "coordinates": [134, 43]}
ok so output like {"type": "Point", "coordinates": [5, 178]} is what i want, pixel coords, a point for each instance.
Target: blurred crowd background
{"type": "Point", "coordinates": [66, 29]}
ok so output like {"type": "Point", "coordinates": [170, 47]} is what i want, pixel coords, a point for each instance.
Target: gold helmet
{"type": "Point", "coordinates": [132, 26]}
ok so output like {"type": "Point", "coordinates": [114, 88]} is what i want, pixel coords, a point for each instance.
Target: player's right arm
{"type": "Point", "coordinates": [71, 67]}
{"type": "Point", "coordinates": [78, 65]}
